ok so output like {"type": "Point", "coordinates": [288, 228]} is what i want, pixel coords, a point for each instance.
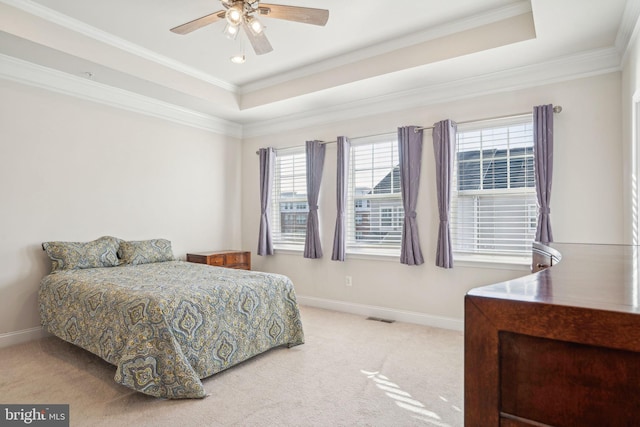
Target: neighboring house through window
{"type": "Point", "coordinates": [493, 206]}
{"type": "Point", "coordinates": [375, 214]}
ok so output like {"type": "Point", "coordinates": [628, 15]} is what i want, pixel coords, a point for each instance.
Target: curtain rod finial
{"type": "Point", "coordinates": [557, 109]}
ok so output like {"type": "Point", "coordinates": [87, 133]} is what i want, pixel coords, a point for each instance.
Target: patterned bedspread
{"type": "Point", "coordinates": [166, 325]}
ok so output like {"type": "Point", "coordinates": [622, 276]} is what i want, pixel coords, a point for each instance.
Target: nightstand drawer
{"type": "Point", "coordinates": [236, 258]}
{"type": "Point", "coordinates": [230, 259]}
{"type": "Point", "coordinates": [216, 260]}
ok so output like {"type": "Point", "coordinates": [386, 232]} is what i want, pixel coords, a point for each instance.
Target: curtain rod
{"type": "Point", "coordinates": [556, 109]}
{"type": "Point", "coordinates": [333, 142]}
{"type": "Point", "coordinates": [366, 136]}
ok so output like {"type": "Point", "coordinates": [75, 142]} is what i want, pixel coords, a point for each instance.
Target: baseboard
{"type": "Point", "coordinates": [384, 313]}
{"type": "Point", "coordinates": [19, 337]}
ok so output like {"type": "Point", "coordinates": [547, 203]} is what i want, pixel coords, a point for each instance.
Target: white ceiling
{"type": "Point", "coordinates": [370, 52]}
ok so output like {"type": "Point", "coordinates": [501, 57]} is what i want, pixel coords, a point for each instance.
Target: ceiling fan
{"type": "Point", "coordinates": [244, 13]}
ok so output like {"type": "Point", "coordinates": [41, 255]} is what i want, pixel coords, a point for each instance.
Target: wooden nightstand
{"type": "Point", "coordinates": [227, 258]}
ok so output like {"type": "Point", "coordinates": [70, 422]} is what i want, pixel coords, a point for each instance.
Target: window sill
{"type": "Point", "coordinates": [288, 249]}
{"type": "Point", "coordinates": [378, 255]}
{"type": "Point", "coordinates": [495, 262]}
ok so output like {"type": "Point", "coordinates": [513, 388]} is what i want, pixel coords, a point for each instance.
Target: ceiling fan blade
{"type": "Point", "coordinates": [199, 23]}
{"type": "Point", "coordinates": [306, 15]}
{"type": "Point", "coordinates": [259, 41]}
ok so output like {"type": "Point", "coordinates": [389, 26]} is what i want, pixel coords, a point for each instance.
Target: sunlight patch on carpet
{"type": "Point", "coordinates": [404, 399]}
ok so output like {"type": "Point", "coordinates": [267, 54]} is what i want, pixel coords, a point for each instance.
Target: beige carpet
{"type": "Point", "coordinates": [350, 372]}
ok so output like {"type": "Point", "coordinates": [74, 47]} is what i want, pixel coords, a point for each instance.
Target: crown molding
{"type": "Point", "coordinates": [586, 64]}
{"type": "Point", "coordinates": [80, 27]}
{"type": "Point", "coordinates": [628, 30]}
{"type": "Point", "coordinates": [46, 78]}
{"type": "Point", "coordinates": [432, 33]}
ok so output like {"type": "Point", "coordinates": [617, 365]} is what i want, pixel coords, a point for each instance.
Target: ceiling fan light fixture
{"type": "Point", "coordinates": [238, 59]}
{"type": "Point", "coordinates": [234, 14]}
{"type": "Point", "coordinates": [255, 26]}
{"type": "Point", "coordinates": [231, 31]}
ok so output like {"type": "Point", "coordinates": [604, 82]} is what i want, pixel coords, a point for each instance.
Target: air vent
{"type": "Point", "coordinates": [378, 319]}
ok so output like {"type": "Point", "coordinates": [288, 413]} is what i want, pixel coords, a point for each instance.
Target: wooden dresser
{"type": "Point", "coordinates": [560, 347]}
{"type": "Point", "coordinates": [227, 258]}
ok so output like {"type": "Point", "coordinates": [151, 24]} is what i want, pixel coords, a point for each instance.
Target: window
{"type": "Point", "coordinates": [375, 214]}
{"type": "Point", "coordinates": [289, 205]}
{"type": "Point", "coordinates": [493, 205]}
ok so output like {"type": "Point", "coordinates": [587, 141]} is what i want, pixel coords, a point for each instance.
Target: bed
{"type": "Point", "coordinates": [164, 324]}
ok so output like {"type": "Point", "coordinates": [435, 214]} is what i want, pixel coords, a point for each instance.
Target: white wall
{"type": "Point", "coordinates": [631, 114]}
{"type": "Point", "coordinates": [586, 200]}
{"type": "Point", "coordinates": [74, 170]}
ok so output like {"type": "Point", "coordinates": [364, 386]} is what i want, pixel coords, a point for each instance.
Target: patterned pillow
{"type": "Point", "coordinates": [145, 251]}
{"type": "Point", "coordinates": [102, 252]}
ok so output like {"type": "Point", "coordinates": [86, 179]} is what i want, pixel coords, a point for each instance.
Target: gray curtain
{"type": "Point", "coordinates": [444, 137]}
{"type": "Point", "coordinates": [315, 162]}
{"type": "Point", "coordinates": [543, 154]}
{"type": "Point", "coordinates": [340, 234]}
{"type": "Point", "coordinates": [267, 163]}
{"type": "Point", "coordinates": [410, 153]}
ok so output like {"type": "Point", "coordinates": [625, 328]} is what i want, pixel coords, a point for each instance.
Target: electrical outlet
{"type": "Point", "coordinates": [347, 280]}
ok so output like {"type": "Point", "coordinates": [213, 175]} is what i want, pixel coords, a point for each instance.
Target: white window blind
{"type": "Point", "coordinates": [493, 206]}
{"type": "Point", "coordinates": [289, 207]}
{"type": "Point", "coordinates": [375, 214]}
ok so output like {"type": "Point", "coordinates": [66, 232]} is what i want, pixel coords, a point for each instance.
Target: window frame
{"type": "Point", "coordinates": [526, 193]}
{"type": "Point", "coordinates": [292, 205]}
{"type": "Point", "coordinates": [357, 220]}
